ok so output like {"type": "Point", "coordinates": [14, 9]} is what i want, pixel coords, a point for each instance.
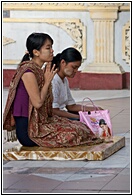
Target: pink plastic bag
{"type": "Point", "coordinates": [98, 120]}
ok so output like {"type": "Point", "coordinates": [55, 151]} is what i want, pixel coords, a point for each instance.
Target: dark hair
{"type": "Point", "coordinates": [102, 122]}
{"type": "Point", "coordinates": [35, 41]}
{"type": "Point", "coordinates": [69, 55]}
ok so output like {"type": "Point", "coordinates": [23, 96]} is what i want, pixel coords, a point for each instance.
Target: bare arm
{"type": "Point", "coordinates": [72, 108]}
{"type": "Point", "coordinates": [63, 113]}
{"type": "Point", "coordinates": [37, 97]}
{"type": "Point", "coordinates": [78, 107]}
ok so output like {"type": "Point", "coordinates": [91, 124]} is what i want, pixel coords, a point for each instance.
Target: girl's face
{"type": "Point", "coordinates": [104, 127]}
{"type": "Point", "coordinates": [46, 52]}
{"type": "Point", "coordinates": [71, 68]}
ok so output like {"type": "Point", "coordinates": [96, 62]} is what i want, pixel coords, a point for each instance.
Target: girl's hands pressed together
{"type": "Point", "coordinates": [37, 97]}
{"type": "Point", "coordinates": [49, 72]}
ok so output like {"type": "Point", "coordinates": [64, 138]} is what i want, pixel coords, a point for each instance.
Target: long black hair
{"type": "Point", "coordinates": [102, 122]}
{"type": "Point", "coordinates": [69, 55]}
{"type": "Point", "coordinates": [35, 41]}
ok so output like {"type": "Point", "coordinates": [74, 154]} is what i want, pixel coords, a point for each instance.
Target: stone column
{"type": "Point", "coordinates": [103, 18]}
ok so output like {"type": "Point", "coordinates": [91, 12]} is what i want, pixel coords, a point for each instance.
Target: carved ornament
{"type": "Point", "coordinates": [74, 28]}
{"type": "Point", "coordinates": [61, 6]}
{"type": "Point", "coordinates": [105, 4]}
{"type": "Point", "coordinates": [7, 40]}
{"type": "Point", "coordinates": [126, 42]}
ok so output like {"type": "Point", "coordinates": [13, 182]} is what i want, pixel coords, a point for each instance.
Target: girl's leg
{"type": "Point", "coordinates": [22, 131]}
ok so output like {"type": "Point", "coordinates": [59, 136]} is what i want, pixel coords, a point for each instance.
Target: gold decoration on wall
{"type": "Point", "coordinates": [74, 28]}
{"type": "Point", "coordinates": [126, 42]}
{"type": "Point", "coordinates": [105, 4]}
{"type": "Point", "coordinates": [45, 6]}
{"type": "Point", "coordinates": [7, 40]}
{"type": "Point", "coordinates": [61, 6]}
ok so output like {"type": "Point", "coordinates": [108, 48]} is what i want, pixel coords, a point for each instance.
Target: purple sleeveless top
{"type": "Point", "coordinates": [21, 101]}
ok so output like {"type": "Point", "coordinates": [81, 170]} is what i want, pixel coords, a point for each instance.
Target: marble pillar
{"type": "Point", "coordinates": [103, 18]}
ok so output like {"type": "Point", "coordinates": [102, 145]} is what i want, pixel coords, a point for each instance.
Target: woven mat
{"type": "Point", "coordinates": [95, 152]}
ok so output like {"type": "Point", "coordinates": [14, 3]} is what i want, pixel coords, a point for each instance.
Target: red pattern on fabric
{"type": "Point", "coordinates": [44, 128]}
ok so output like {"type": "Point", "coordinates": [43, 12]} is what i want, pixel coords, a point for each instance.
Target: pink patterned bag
{"type": "Point", "coordinates": [98, 120]}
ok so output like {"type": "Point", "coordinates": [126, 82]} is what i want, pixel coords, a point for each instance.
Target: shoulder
{"type": "Point", "coordinates": [28, 70]}
{"type": "Point", "coordinates": [56, 79]}
{"type": "Point", "coordinates": [66, 81]}
{"type": "Point", "coordinates": [29, 65]}
{"type": "Point", "coordinates": [26, 65]}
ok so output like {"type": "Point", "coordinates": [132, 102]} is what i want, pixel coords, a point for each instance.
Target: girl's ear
{"type": "Point", "coordinates": [63, 63]}
{"type": "Point", "coordinates": [36, 52]}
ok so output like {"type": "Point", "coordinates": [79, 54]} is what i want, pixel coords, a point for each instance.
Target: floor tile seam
{"type": "Point", "coordinates": [127, 133]}
{"type": "Point", "coordinates": [61, 182]}
{"type": "Point", "coordinates": [71, 189]}
{"type": "Point", "coordinates": [114, 178]}
{"type": "Point", "coordinates": [26, 191]}
{"type": "Point", "coordinates": [66, 179]}
{"type": "Point", "coordinates": [72, 192]}
{"type": "Point", "coordinates": [91, 176]}
{"type": "Point", "coordinates": [116, 192]}
{"type": "Point", "coordinates": [109, 181]}
{"type": "Point", "coordinates": [117, 114]}
{"type": "Point", "coordinates": [124, 169]}
{"type": "Point", "coordinates": [16, 182]}
{"type": "Point", "coordinates": [75, 173]}
{"type": "Point", "coordinates": [26, 173]}
{"type": "Point", "coordinates": [84, 189]}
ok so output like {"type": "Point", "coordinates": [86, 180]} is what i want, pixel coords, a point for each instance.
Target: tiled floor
{"type": "Point", "coordinates": [111, 175]}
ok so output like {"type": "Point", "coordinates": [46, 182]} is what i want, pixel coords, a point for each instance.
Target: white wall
{"type": "Point", "coordinates": [123, 18]}
{"type": "Point", "coordinates": [20, 31]}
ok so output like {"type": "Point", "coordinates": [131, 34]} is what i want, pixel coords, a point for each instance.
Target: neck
{"type": "Point", "coordinates": [38, 62]}
{"type": "Point", "coordinates": [61, 75]}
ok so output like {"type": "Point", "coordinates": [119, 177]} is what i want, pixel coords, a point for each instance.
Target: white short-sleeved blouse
{"type": "Point", "coordinates": [61, 93]}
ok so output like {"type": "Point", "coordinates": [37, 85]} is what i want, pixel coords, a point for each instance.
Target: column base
{"type": "Point", "coordinates": [103, 68]}
{"type": "Point", "coordinates": [100, 81]}
{"type": "Point", "coordinates": [87, 80]}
